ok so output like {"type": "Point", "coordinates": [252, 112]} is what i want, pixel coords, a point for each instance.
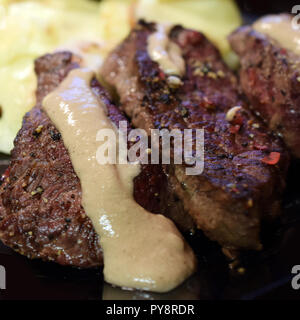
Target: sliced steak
{"type": "Point", "coordinates": [237, 188]}
{"type": "Point", "coordinates": [269, 77]}
{"type": "Point", "coordinates": [40, 197]}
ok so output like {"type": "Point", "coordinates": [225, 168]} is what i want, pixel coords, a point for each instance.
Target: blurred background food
{"type": "Point", "coordinates": [29, 29]}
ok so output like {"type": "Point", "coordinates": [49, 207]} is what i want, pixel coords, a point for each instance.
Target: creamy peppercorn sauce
{"type": "Point", "coordinates": [281, 29]}
{"type": "Point", "coordinates": [141, 250]}
{"type": "Point", "coordinates": [165, 52]}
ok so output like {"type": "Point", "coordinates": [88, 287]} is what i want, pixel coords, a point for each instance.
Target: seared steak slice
{"type": "Point", "coordinates": [269, 77]}
{"type": "Point", "coordinates": [237, 188]}
{"type": "Point", "coordinates": [40, 197]}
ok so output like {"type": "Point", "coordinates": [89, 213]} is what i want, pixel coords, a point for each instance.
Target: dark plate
{"type": "Point", "coordinates": [268, 273]}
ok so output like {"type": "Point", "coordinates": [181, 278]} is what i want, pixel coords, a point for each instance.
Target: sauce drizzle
{"type": "Point", "coordinates": [165, 52]}
{"type": "Point", "coordinates": [141, 250]}
{"type": "Point", "coordinates": [281, 29]}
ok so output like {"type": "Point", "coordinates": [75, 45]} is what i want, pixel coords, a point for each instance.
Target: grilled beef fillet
{"type": "Point", "coordinates": [40, 197]}
{"type": "Point", "coordinates": [239, 186]}
{"type": "Point", "coordinates": [269, 76]}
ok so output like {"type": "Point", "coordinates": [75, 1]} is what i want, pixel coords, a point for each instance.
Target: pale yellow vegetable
{"type": "Point", "coordinates": [215, 18]}
{"type": "Point", "coordinates": [29, 29]}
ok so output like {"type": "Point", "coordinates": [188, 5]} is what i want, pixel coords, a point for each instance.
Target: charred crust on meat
{"type": "Point", "coordinates": [175, 31]}
{"type": "Point", "coordinates": [283, 92]}
{"type": "Point", "coordinates": [164, 98]}
{"type": "Point", "coordinates": [142, 24]}
{"type": "Point", "coordinates": [55, 136]}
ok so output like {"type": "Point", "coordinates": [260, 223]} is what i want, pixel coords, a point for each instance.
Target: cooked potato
{"type": "Point", "coordinates": [215, 18]}
{"type": "Point", "coordinates": [29, 29]}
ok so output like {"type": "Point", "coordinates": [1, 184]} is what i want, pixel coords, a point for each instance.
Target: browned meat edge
{"type": "Point", "coordinates": [269, 76]}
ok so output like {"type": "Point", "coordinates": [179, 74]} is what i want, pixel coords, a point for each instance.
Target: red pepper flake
{"type": "Point", "coordinates": [260, 147]}
{"type": "Point", "coordinates": [6, 173]}
{"type": "Point", "coordinates": [251, 76]}
{"type": "Point", "coordinates": [283, 51]}
{"type": "Point", "coordinates": [238, 119]}
{"type": "Point", "coordinates": [162, 75]}
{"type": "Point", "coordinates": [235, 190]}
{"type": "Point", "coordinates": [272, 158]}
{"type": "Point", "coordinates": [234, 129]}
{"type": "Point", "coordinates": [208, 104]}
